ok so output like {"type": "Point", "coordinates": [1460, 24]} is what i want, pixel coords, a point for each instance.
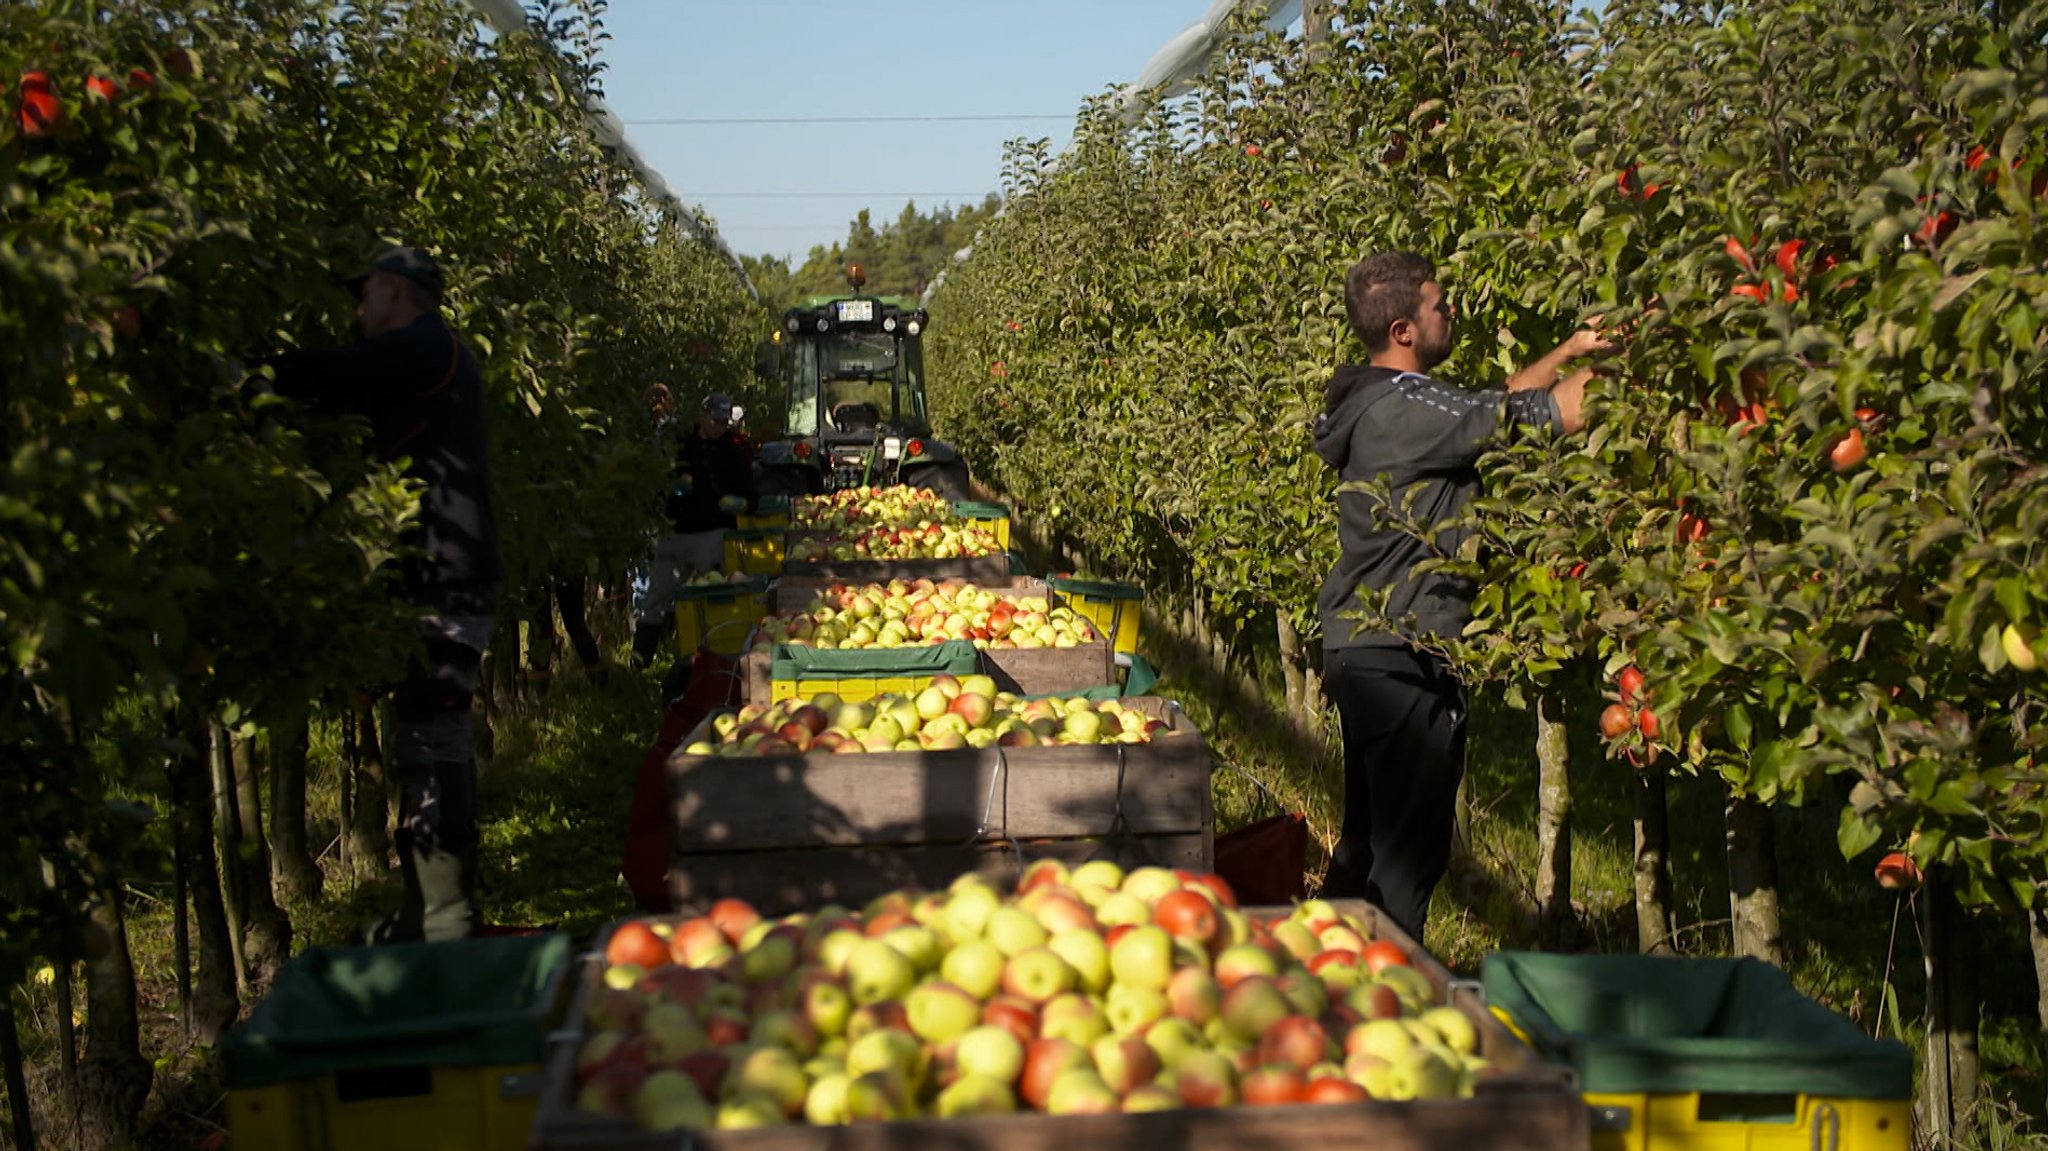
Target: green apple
{"type": "Point", "coordinates": [1131, 1008]}
{"type": "Point", "coordinates": [990, 1051]}
{"type": "Point", "coordinates": [1425, 1073]}
{"type": "Point", "coordinates": [1080, 1091]}
{"type": "Point", "coordinates": [975, 967]}
{"type": "Point", "coordinates": [975, 1095]}
{"type": "Point", "coordinates": [773, 1074]}
{"type": "Point", "coordinates": [876, 971]}
{"type": "Point", "coordinates": [889, 1050]}
{"type": "Point", "coordinates": [1171, 1038]}
{"type": "Point", "coordinates": [1151, 1097]}
{"type": "Point", "coordinates": [746, 1110]}
{"type": "Point", "coordinates": [1143, 958]}
{"type": "Point", "coordinates": [1253, 1006]}
{"type": "Point", "coordinates": [770, 959]}
{"type": "Point", "coordinates": [2018, 642]}
{"type": "Point", "coordinates": [919, 944]}
{"type": "Point", "coordinates": [1454, 1026]}
{"type": "Point", "coordinates": [1121, 907]}
{"type": "Point", "coordinates": [1192, 995]}
{"type": "Point", "coordinates": [1383, 1038]}
{"type": "Point", "coordinates": [1299, 941]}
{"type": "Point", "coordinates": [1074, 1017]}
{"type": "Point", "coordinates": [1014, 930]}
{"type": "Point", "coordinates": [932, 703]}
{"type": "Point", "coordinates": [837, 947]}
{"type": "Point", "coordinates": [1151, 884]}
{"type": "Point", "coordinates": [672, 1032]}
{"type": "Point", "coordinates": [825, 1103]}
{"type": "Point", "coordinates": [1411, 985]}
{"type": "Point", "coordinates": [668, 1100]}
{"type": "Point", "coordinates": [827, 1006]}
{"type": "Point", "coordinates": [883, 729]}
{"type": "Point", "coordinates": [1124, 1062]}
{"type": "Point", "coordinates": [1086, 953]}
{"type": "Point", "coordinates": [940, 1012]}
{"type": "Point", "coordinates": [785, 1029]}
{"type": "Point", "coordinates": [1098, 873]}
{"type": "Point", "coordinates": [980, 685]}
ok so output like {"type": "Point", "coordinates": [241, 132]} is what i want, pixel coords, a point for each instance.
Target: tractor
{"type": "Point", "coordinates": [851, 372]}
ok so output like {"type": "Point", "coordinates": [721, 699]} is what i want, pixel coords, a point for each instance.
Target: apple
{"type": "Point", "coordinates": [919, 944]}
{"type": "Point", "coordinates": [1296, 1041]}
{"type": "Point", "coordinates": [1192, 995]}
{"type": "Point", "coordinates": [613, 1089]}
{"type": "Point", "coordinates": [1340, 937]}
{"type": "Point", "coordinates": [1375, 1001]}
{"type": "Point", "coordinates": [1012, 1015]}
{"type": "Point", "coordinates": [1037, 975]}
{"type": "Point", "coordinates": [976, 967]}
{"type": "Point", "coordinates": [1151, 1097]}
{"type": "Point", "coordinates": [1457, 1030]}
{"type": "Point", "coordinates": [2017, 641]}
{"type": "Point", "coordinates": [1073, 1016]}
{"type": "Point", "coordinates": [1131, 1009]}
{"type": "Point", "coordinates": [974, 1095]}
{"type": "Point", "coordinates": [672, 1032]}
{"type": "Point", "coordinates": [1014, 930]}
{"type": "Point", "coordinates": [636, 943]}
{"type": "Point", "coordinates": [1172, 1038]}
{"type": "Point", "coordinates": [1122, 908]}
{"type": "Point", "coordinates": [889, 1050]}
{"type": "Point", "coordinates": [1425, 1074]}
{"type": "Point", "coordinates": [992, 1052]}
{"type": "Point", "coordinates": [1080, 1091]}
{"type": "Point", "coordinates": [668, 1101]}
{"type": "Point", "coordinates": [1143, 958]}
{"type": "Point", "coordinates": [941, 1012]}
{"type": "Point", "coordinates": [1045, 1060]}
{"type": "Point", "coordinates": [827, 1007]}
{"type": "Point", "coordinates": [1102, 873]}
{"type": "Point", "coordinates": [825, 1103]}
{"type": "Point", "coordinates": [1243, 960]}
{"type": "Point", "coordinates": [836, 947]}
{"type": "Point", "coordinates": [1183, 913]}
{"type": "Point", "coordinates": [877, 1096]}
{"type": "Point", "coordinates": [1274, 1086]}
{"type": "Point", "coordinates": [773, 1074]}
{"type": "Point", "coordinates": [1087, 954]}
{"type": "Point", "coordinates": [1058, 913]}
{"type": "Point", "coordinates": [1043, 873]}
{"type": "Point", "coordinates": [876, 971]}
{"type": "Point", "coordinates": [1304, 992]}
{"type": "Point", "coordinates": [980, 685]}
{"type": "Point", "coordinates": [1124, 1062]}
{"type": "Point", "coordinates": [1383, 1038]}
{"type": "Point", "coordinates": [771, 960]}
{"type": "Point", "coordinates": [707, 1069]}
{"type": "Point", "coordinates": [887, 1013]}
{"type": "Point", "coordinates": [1206, 1079]}
{"type": "Point", "coordinates": [1252, 1005]}
{"type": "Point", "coordinates": [967, 912]}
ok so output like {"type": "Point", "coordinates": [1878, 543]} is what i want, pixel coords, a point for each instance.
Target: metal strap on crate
{"type": "Point", "coordinates": [1827, 1127]}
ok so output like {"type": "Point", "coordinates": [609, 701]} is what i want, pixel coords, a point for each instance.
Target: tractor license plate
{"type": "Point", "coordinates": [856, 311]}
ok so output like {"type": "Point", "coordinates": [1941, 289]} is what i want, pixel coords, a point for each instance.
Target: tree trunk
{"type": "Point", "coordinates": [2037, 935]}
{"type": "Point", "coordinates": [267, 933]}
{"type": "Point", "coordinates": [1949, 1082]}
{"type": "Point", "coordinates": [368, 823]}
{"type": "Point", "coordinates": [12, 1065]}
{"type": "Point", "coordinates": [1653, 863]}
{"type": "Point", "coordinates": [67, 1037]}
{"type": "Point", "coordinates": [213, 993]}
{"type": "Point", "coordinates": [1553, 821]}
{"type": "Point", "coordinates": [294, 872]}
{"type": "Point", "coordinates": [227, 831]}
{"type": "Point", "coordinates": [1753, 880]}
{"type": "Point", "coordinates": [114, 1078]}
{"type": "Point", "coordinates": [181, 930]}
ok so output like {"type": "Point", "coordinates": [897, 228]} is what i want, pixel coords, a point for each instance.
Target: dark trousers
{"type": "Point", "coordinates": [1404, 753]}
{"type": "Point", "coordinates": [435, 764]}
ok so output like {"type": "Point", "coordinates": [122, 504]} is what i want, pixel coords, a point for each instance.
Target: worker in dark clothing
{"type": "Point", "coordinates": [423, 395]}
{"type": "Point", "coordinates": [711, 482]}
{"type": "Point", "coordinates": [1401, 706]}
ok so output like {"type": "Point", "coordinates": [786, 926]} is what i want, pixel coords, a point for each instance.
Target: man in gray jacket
{"type": "Point", "coordinates": [1401, 706]}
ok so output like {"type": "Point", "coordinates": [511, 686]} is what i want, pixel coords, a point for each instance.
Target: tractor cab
{"type": "Point", "coordinates": [851, 370]}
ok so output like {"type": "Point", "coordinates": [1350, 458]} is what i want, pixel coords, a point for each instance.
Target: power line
{"type": "Point", "coordinates": [736, 120]}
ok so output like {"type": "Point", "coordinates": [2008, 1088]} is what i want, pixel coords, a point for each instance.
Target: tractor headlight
{"type": "Point", "coordinates": [892, 448]}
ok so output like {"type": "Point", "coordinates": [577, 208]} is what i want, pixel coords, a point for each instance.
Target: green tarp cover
{"type": "Point", "coordinates": [1632, 1024]}
{"type": "Point", "coordinates": [1098, 589]}
{"type": "Point", "coordinates": [470, 1002]}
{"type": "Point", "coordinates": [798, 661]}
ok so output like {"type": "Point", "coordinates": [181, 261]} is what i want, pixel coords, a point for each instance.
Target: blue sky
{"type": "Point", "coordinates": [754, 59]}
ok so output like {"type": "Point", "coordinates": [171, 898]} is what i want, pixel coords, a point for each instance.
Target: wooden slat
{"type": "Point", "coordinates": [722, 803]}
{"type": "Point", "coordinates": [780, 882]}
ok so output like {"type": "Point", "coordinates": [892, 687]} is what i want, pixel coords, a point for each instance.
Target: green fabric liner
{"type": "Point", "coordinates": [1017, 565]}
{"type": "Point", "coordinates": [723, 592]}
{"type": "Point", "coordinates": [470, 1002]}
{"type": "Point", "coordinates": [1635, 1024]}
{"type": "Point", "coordinates": [970, 510]}
{"type": "Point", "coordinates": [800, 661]}
{"type": "Point", "coordinates": [769, 505]}
{"type": "Point", "coordinates": [1099, 589]}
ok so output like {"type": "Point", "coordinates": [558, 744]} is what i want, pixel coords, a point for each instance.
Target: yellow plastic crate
{"type": "Point", "coordinates": [851, 690]}
{"type": "Point", "coordinates": [771, 514]}
{"type": "Point", "coordinates": [390, 1109]}
{"type": "Point", "coordinates": [719, 616]}
{"type": "Point", "coordinates": [757, 552]}
{"type": "Point", "coordinates": [1116, 609]}
{"type": "Point", "coordinates": [992, 518]}
{"type": "Point", "coordinates": [1699, 1122]}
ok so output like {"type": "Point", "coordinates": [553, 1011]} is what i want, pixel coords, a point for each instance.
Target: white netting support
{"type": "Point", "coordinates": [506, 17]}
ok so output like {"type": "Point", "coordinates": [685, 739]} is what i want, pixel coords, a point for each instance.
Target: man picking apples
{"type": "Point", "coordinates": [711, 482]}
{"type": "Point", "coordinates": [1401, 706]}
{"type": "Point", "coordinates": [423, 395]}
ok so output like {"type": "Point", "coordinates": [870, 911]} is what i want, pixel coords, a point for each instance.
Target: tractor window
{"type": "Point", "coordinates": [860, 370]}
{"type": "Point", "coordinates": [912, 401]}
{"type": "Point", "coordinates": [803, 389]}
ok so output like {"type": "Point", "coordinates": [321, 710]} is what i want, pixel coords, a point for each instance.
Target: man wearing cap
{"type": "Point", "coordinates": [711, 483]}
{"type": "Point", "coordinates": [422, 393]}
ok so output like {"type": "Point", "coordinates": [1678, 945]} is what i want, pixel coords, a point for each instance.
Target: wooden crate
{"type": "Point", "coordinates": [1026, 671]}
{"type": "Point", "coordinates": [1521, 1104]}
{"type": "Point", "coordinates": [788, 832]}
